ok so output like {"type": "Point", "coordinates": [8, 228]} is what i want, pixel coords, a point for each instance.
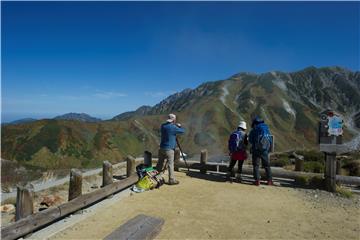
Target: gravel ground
{"type": "Point", "coordinates": [211, 208]}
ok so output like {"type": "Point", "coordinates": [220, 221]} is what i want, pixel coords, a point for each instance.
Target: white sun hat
{"type": "Point", "coordinates": [171, 117]}
{"type": "Point", "coordinates": [242, 125]}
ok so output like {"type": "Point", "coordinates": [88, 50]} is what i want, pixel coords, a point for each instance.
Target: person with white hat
{"type": "Point", "coordinates": [237, 144]}
{"type": "Point", "coordinates": [169, 129]}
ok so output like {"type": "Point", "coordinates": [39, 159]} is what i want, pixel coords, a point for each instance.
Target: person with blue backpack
{"type": "Point", "coordinates": [261, 142]}
{"type": "Point", "coordinates": [237, 144]}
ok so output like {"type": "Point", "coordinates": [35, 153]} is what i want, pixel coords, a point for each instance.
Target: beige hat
{"type": "Point", "coordinates": [171, 117]}
{"type": "Point", "coordinates": [242, 125]}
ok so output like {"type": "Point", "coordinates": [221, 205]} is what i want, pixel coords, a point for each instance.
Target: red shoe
{"type": "Point", "coordinates": [257, 182]}
{"type": "Point", "coordinates": [270, 183]}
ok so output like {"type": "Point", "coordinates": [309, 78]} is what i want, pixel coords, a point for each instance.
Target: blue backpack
{"type": "Point", "coordinates": [263, 139]}
{"type": "Point", "coordinates": [236, 141]}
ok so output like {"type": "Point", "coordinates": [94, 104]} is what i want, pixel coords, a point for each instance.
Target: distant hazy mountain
{"type": "Point", "coordinates": [82, 117]}
{"type": "Point", "coordinates": [23, 120]}
{"type": "Point", "coordinates": [288, 102]}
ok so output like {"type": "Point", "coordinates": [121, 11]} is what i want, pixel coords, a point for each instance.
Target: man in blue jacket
{"type": "Point", "coordinates": [169, 129]}
{"type": "Point", "coordinates": [261, 141]}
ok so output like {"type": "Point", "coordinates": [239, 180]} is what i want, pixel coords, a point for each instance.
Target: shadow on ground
{"type": "Point", "coordinates": [246, 179]}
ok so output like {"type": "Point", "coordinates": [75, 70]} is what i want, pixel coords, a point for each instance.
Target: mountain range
{"type": "Point", "coordinates": [82, 117]}
{"type": "Point", "coordinates": [289, 102]}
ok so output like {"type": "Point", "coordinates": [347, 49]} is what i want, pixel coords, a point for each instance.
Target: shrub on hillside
{"type": "Point", "coordinates": [312, 156]}
{"type": "Point", "coordinates": [313, 166]}
{"type": "Point", "coordinates": [280, 162]}
{"type": "Point", "coordinates": [312, 182]}
{"type": "Point", "coordinates": [353, 167]}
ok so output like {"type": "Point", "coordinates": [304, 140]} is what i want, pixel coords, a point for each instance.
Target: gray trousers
{"type": "Point", "coordinates": [169, 155]}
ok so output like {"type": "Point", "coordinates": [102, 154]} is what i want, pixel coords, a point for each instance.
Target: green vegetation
{"type": "Point", "coordinates": [266, 82]}
{"type": "Point", "coordinates": [281, 161]}
{"type": "Point", "coordinates": [312, 155]}
{"type": "Point", "coordinates": [344, 192]}
{"type": "Point", "coordinates": [9, 201]}
{"type": "Point", "coordinates": [313, 182]}
{"type": "Point", "coordinates": [353, 167]}
{"type": "Point", "coordinates": [315, 167]}
{"type": "Point", "coordinates": [208, 121]}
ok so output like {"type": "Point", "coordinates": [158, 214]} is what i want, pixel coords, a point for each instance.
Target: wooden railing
{"type": "Point", "coordinates": [205, 166]}
{"type": "Point", "coordinates": [27, 221]}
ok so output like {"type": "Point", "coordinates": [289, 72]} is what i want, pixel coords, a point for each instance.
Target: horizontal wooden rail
{"type": "Point", "coordinates": [276, 172]}
{"type": "Point", "coordinates": [40, 219]}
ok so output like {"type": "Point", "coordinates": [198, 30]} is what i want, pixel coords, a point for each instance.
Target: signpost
{"type": "Point", "coordinates": [330, 140]}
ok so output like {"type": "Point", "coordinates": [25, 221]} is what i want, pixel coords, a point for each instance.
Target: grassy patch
{"type": "Point", "coordinates": [312, 156]}
{"type": "Point", "coordinates": [9, 201]}
{"type": "Point", "coordinates": [280, 161]}
{"type": "Point", "coordinates": [313, 166]}
{"type": "Point", "coordinates": [344, 192]}
{"type": "Point", "coordinates": [302, 180]}
{"type": "Point", "coordinates": [312, 182]}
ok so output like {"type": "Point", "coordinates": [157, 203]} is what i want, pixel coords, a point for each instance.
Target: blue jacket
{"type": "Point", "coordinates": [255, 132]}
{"type": "Point", "coordinates": [168, 135]}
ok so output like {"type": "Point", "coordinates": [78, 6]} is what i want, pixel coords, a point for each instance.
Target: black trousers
{"type": "Point", "coordinates": [232, 164]}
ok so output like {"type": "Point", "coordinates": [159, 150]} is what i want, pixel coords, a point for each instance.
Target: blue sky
{"type": "Point", "coordinates": [104, 58]}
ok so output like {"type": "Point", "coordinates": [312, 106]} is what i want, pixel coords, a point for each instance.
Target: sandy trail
{"type": "Point", "coordinates": [213, 209]}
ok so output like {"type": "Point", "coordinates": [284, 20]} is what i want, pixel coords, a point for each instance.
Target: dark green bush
{"type": "Point", "coordinates": [312, 182]}
{"type": "Point", "coordinates": [280, 162]}
{"type": "Point", "coordinates": [353, 167]}
{"type": "Point", "coordinates": [302, 180]}
{"type": "Point", "coordinates": [312, 156]}
{"type": "Point", "coordinates": [313, 166]}
{"type": "Point", "coordinates": [317, 182]}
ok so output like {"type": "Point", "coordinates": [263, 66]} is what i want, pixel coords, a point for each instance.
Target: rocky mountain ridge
{"type": "Point", "coordinates": [289, 102]}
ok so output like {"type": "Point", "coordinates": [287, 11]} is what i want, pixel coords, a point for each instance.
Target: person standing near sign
{"type": "Point", "coordinates": [169, 129]}
{"type": "Point", "coordinates": [261, 141]}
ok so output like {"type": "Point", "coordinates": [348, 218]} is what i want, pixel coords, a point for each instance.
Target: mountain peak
{"type": "Point", "coordinates": [82, 117]}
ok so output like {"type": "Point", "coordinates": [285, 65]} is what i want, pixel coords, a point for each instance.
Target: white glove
{"type": "Point", "coordinates": [178, 124]}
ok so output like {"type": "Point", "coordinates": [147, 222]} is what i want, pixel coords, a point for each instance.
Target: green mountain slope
{"type": "Point", "coordinates": [289, 103]}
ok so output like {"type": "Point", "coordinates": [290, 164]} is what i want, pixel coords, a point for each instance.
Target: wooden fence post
{"type": "Point", "coordinates": [148, 159]}
{"type": "Point", "coordinates": [107, 173]}
{"type": "Point", "coordinates": [24, 201]}
{"type": "Point", "coordinates": [130, 166]}
{"type": "Point", "coordinates": [330, 171]}
{"type": "Point", "coordinates": [203, 161]}
{"type": "Point", "coordinates": [338, 167]}
{"type": "Point", "coordinates": [75, 185]}
{"type": "Point", "coordinates": [299, 164]}
{"type": "Point", "coordinates": [176, 159]}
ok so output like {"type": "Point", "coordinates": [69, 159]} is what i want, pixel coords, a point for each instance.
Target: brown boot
{"type": "Point", "coordinates": [174, 182]}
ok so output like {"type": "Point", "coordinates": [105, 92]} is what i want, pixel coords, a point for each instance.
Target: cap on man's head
{"type": "Point", "coordinates": [256, 121]}
{"type": "Point", "coordinates": [242, 125]}
{"type": "Point", "coordinates": [171, 117]}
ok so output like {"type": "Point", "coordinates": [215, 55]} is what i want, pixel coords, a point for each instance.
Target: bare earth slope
{"type": "Point", "coordinates": [204, 209]}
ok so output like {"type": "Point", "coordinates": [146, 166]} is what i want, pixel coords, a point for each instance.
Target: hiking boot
{"type": "Point", "coordinates": [230, 174]}
{"type": "Point", "coordinates": [257, 182]}
{"type": "Point", "coordinates": [238, 177]}
{"type": "Point", "coordinates": [270, 183]}
{"type": "Point", "coordinates": [173, 182]}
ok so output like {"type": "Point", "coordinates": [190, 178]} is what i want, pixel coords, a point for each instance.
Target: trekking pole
{"type": "Point", "coordinates": [182, 154]}
{"type": "Point", "coordinates": [165, 166]}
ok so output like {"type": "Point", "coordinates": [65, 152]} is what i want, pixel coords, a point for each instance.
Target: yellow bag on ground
{"type": "Point", "coordinates": [145, 183]}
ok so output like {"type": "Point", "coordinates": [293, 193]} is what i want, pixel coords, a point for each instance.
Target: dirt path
{"type": "Point", "coordinates": [212, 209]}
